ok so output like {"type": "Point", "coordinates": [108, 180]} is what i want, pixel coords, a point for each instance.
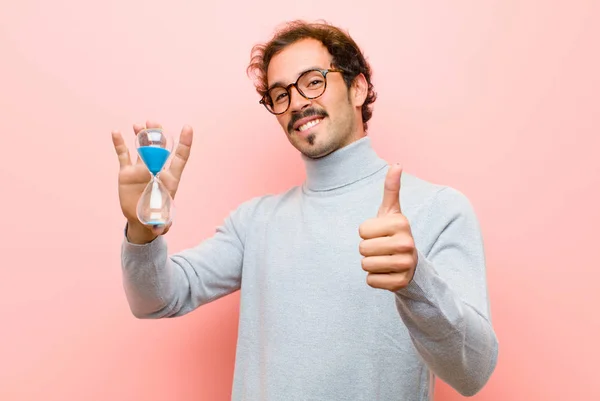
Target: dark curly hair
{"type": "Point", "coordinates": [346, 55]}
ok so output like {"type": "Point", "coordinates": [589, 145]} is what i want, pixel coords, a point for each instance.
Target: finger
{"type": "Point", "coordinates": [136, 129]}
{"type": "Point", "coordinates": [121, 149]}
{"type": "Point", "coordinates": [387, 263]}
{"type": "Point", "coordinates": [383, 246]}
{"type": "Point", "coordinates": [182, 153]}
{"type": "Point", "coordinates": [388, 281]}
{"type": "Point", "coordinates": [166, 230]}
{"type": "Point", "coordinates": [152, 124]}
{"type": "Point", "coordinates": [391, 191]}
{"type": "Point", "coordinates": [160, 229]}
{"type": "Point", "coordinates": [383, 226]}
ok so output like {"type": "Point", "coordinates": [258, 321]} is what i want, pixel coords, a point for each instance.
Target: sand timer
{"type": "Point", "coordinates": [154, 207]}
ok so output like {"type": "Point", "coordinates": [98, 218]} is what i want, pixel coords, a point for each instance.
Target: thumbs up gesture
{"type": "Point", "coordinates": [388, 247]}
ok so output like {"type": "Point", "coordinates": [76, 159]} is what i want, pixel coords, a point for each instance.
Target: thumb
{"type": "Point", "coordinates": [391, 191]}
{"type": "Point", "coordinates": [161, 230]}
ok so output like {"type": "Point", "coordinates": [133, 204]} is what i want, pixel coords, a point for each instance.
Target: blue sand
{"type": "Point", "coordinates": [154, 157]}
{"type": "Point", "coordinates": [155, 223]}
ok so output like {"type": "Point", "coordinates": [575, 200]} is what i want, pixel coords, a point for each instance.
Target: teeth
{"type": "Point", "coordinates": [309, 124]}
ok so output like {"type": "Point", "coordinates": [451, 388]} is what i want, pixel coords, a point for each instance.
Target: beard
{"type": "Point", "coordinates": [316, 144]}
{"type": "Point", "coordinates": [328, 136]}
{"type": "Point", "coordinates": [311, 138]}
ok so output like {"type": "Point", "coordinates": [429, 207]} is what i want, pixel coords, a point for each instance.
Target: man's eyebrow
{"type": "Point", "coordinates": [279, 83]}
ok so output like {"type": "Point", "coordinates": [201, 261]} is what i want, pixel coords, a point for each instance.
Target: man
{"type": "Point", "coordinates": [360, 284]}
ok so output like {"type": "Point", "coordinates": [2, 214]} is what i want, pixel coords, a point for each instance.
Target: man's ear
{"type": "Point", "coordinates": [359, 90]}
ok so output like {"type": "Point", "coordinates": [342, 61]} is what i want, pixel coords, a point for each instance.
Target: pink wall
{"type": "Point", "coordinates": [498, 98]}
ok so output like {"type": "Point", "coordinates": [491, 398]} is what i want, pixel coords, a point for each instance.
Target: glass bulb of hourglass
{"type": "Point", "coordinates": [155, 206]}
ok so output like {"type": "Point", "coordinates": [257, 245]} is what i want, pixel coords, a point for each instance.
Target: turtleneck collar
{"type": "Point", "coordinates": [342, 167]}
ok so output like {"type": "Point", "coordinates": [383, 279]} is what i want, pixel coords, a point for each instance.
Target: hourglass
{"type": "Point", "coordinates": [155, 204]}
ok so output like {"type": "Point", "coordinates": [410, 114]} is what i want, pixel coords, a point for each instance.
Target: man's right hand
{"type": "Point", "coordinates": [133, 179]}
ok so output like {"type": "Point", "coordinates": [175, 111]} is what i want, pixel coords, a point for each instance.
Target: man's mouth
{"type": "Point", "coordinates": [306, 120]}
{"type": "Point", "coordinates": [309, 124]}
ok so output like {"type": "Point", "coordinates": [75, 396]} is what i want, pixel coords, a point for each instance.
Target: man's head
{"type": "Point", "coordinates": [316, 81]}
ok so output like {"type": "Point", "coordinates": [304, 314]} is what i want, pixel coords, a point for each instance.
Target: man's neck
{"type": "Point", "coordinates": [344, 166]}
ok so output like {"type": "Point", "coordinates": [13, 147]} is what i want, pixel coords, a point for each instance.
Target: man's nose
{"type": "Point", "coordinates": [297, 101]}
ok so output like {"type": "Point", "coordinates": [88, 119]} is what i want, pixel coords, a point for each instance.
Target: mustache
{"type": "Point", "coordinates": [306, 113]}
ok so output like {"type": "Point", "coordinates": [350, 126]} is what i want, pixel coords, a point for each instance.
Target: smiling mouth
{"type": "Point", "coordinates": [309, 124]}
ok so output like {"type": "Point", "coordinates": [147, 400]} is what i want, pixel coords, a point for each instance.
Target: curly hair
{"type": "Point", "coordinates": [346, 55]}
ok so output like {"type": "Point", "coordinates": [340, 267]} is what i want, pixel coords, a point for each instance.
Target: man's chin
{"type": "Point", "coordinates": [305, 141]}
{"type": "Point", "coordinates": [312, 148]}
{"type": "Point", "coordinates": [302, 139]}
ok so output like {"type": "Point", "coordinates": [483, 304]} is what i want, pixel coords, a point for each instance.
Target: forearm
{"type": "Point", "coordinates": [160, 285]}
{"type": "Point", "coordinates": [149, 278]}
{"type": "Point", "coordinates": [146, 274]}
{"type": "Point", "coordinates": [456, 340]}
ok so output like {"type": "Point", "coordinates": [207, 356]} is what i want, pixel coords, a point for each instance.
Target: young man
{"type": "Point", "coordinates": [360, 284]}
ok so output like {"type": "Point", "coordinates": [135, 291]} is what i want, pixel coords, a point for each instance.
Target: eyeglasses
{"type": "Point", "coordinates": [311, 84]}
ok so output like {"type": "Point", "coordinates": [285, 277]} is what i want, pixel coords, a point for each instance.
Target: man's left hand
{"type": "Point", "coordinates": [388, 247]}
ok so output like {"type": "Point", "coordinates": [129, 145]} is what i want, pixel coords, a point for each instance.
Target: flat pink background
{"type": "Point", "coordinates": [499, 99]}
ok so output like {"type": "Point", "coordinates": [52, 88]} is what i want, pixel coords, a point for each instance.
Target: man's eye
{"type": "Point", "coordinates": [280, 97]}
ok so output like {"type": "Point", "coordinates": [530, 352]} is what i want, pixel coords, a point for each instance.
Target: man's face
{"type": "Point", "coordinates": [319, 126]}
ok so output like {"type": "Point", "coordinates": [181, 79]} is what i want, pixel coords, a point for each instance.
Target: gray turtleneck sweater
{"type": "Point", "coordinates": [310, 327]}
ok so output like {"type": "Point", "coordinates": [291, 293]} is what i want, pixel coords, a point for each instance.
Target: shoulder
{"type": "Point", "coordinates": [433, 200]}
{"type": "Point", "coordinates": [438, 214]}
{"type": "Point", "coordinates": [262, 205]}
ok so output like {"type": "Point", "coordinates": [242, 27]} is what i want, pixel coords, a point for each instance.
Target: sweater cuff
{"type": "Point", "coordinates": [424, 273]}
{"type": "Point", "coordinates": [142, 251]}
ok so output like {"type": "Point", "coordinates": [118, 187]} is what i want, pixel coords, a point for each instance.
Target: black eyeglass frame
{"type": "Point", "coordinates": [324, 72]}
